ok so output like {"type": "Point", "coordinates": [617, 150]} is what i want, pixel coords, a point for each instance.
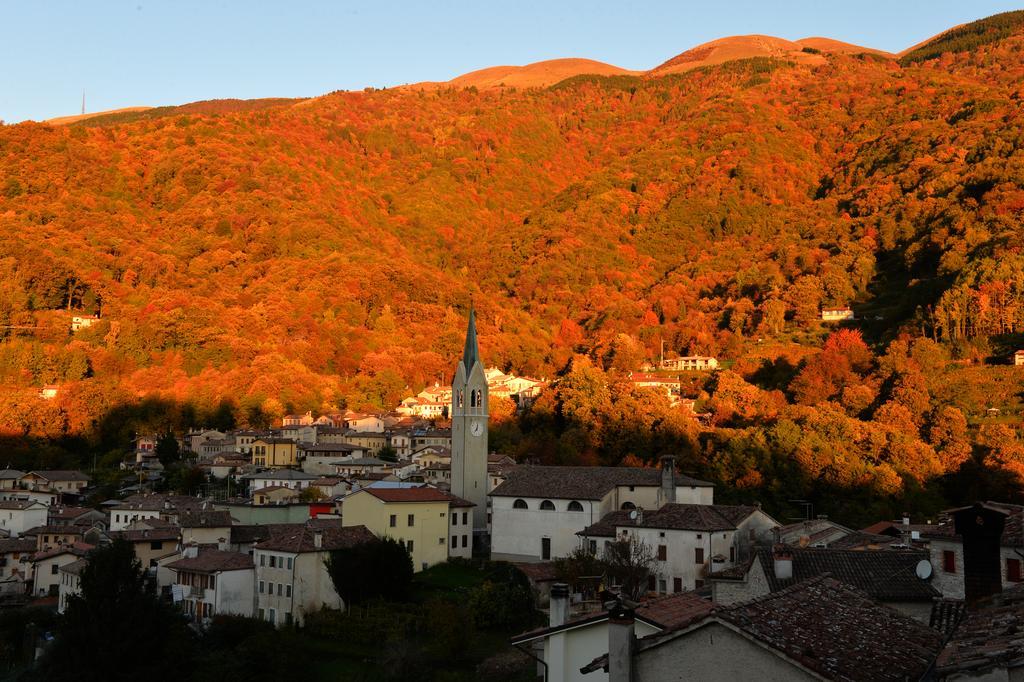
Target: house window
{"type": "Point", "coordinates": [273, 617]}
{"type": "Point", "coordinates": [261, 589]}
{"type": "Point", "coordinates": [662, 586]}
{"type": "Point", "coordinates": [465, 516]}
{"type": "Point", "coordinates": [455, 519]}
{"type": "Point", "coordinates": [273, 561]}
{"type": "Point", "coordinates": [465, 540]}
{"type": "Point", "coordinates": [411, 520]}
{"type": "Point", "coordinates": [520, 504]}
{"type": "Point", "coordinates": [279, 590]}
{"type": "Point", "coordinates": [547, 505]}
{"type": "Point", "coordinates": [156, 544]}
{"type": "Point", "coordinates": [662, 553]}
{"type": "Point", "coordinates": [575, 506]}
{"type": "Point", "coordinates": [54, 569]}
{"type": "Point", "coordinates": [263, 615]}
{"type": "Point", "coordinates": [263, 559]}
{"type": "Point", "coordinates": [627, 505]}
{"type": "Point", "coordinates": [1013, 570]}
{"type": "Point", "coordinates": [270, 589]}
{"type": "Point", "coordinates": [393, 520]}
{"type": "Point", "coordinates": [408, 546]}
{"type": "Point", "coordinates": [455, 541]}
{"type": "Point", "coordinates": [677, 584]}
{"type": "Point", "coordinates": [289, 560]}
{"type": "Point", "coordinates": [732, 555]}
{"type": "Point", "coordinates": [288, 591]}
{"type": "Point", "coordinates": [593, 546]}
{"type": "Point", "coordinates": [698, 555]}
{"type": "Point", "coordinates": [545, 548]}
{"type": "Point", "coordinates": [949, 561]}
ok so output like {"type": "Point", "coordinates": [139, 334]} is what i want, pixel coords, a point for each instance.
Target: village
{"type": "Point", "coordinates": [712, 587]}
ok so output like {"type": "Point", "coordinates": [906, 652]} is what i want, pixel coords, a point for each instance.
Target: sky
{"type": "Point", "coordinates": [161, 52]}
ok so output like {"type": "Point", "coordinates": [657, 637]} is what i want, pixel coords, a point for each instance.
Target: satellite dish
{"type": "Point", "coordinates": [632, 515]}
{"type": "Point", "coordinates": [924, 569]}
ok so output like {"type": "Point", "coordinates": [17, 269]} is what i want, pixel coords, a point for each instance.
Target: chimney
{"type": "Point", "coordinates": [559, 606]}
{"type": "Point", "coordinates": [981, 527]}
{"type": "Point", "coordinates": [191, 551]}
{"type": "Point", "coordinates": [906, 519]}
{"type": "Point", "coordinates": [620, 643]}
{"type": "Point", "coordinates": [318, 539]}
{"type": "Point", "coordinates": [783, 560]}
{"type": "Point", "coordinates": [668, 479]}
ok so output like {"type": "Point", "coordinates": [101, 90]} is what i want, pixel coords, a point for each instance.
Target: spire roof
{"type": "Point", "coordinates": [470, 354]}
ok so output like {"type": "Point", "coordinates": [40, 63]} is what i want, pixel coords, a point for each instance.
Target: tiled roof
{"type": "Point", "coordinates": [838, 632]}
{"type": "Point", "coordinates": [77, 548]}
{"type": "Point", "coordinates": [888, 575]}
{"type": "Point", "coordinates": [330, 447]}
{"type": "Point", "coordinates": [213, 560]}
{"type": "Point", "coordinates": [302, 539]}
{"type": "Point", "coordinates": [581, 483]}
{"type": "Point", "coordinates": [244, 534]}
{"type": "Point", "coordinates": [158, 502]}
{"type": "Point", "coordinates": [988, 638]}
{"type": "Point", "coordinates": [946, 615]}
{"type": "Point", "coordinates": [274, 488]}
{"type": "Point", "coordinates": [69, 512]}
{"type": "Point", "coordinates": [279, 475]}
{"type": "Point", "coordinates": [75, 567]}
{"type": "Point", "coordinates": [9, 474]}
{"type": "Point", "coordinates": [146, 534]}
{"type": "Point", "coordinates": [17, 504]}
{"type": "Point", "coordinates": [54, 529]}
{"type": "Point", "coordinates": [364, 461]}
{"type": "Point", "coordinates": [61, 475]}
{"type": "Point", "coordinates": [1013, 529]}
{"type": "Point", "coordinates": [702, 517]}
{"type": "Point", "coordinates": [863, 540]}
{"type": "Point", "coordinates": [10, 545]}
{"type": "Point", "coordinates": [204, 518]}
{"type": "Point", "coordinates": [674, 611]}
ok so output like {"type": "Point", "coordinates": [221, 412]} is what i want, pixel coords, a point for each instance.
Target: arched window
{"type": "Point", "coordinates": [628, 505]}
{"type": "Point", "coordinates": [472, 399]}
{"type": "Point", "coordinates": [520, 504]}
{"type": "Point", "coordinates": [547, 505]}
{"type": "Point", "coordinates": [479, 398]}
{"type": "Point", "coordinates": [462, 397]}
{"type": "Point", "coordinates": [575, 506]}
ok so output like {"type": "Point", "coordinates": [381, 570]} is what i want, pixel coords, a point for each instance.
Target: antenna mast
{"type": "Point", "coordinates": [83, 100]}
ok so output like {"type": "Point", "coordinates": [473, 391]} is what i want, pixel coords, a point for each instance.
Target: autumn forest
{"type": "Point", "coordinates": [248, 259]}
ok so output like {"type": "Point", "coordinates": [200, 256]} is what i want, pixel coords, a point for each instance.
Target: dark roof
{"type": "Point", "coordinates": [702, 517]}
{"type": "Point", "coordinates": [946, 615]}
{"type": "Point", "coordinates": [213, 560]}
{"type": "Point", "coordinates": [204, 518]}
{"type": "Point", "coordinates": [838, 631]}
{"type": "Point", "coordinates": [862, 540]}
{"type": "Point", "coordinates": [1013, 528]}
{"type": "Point", "coordinates": [665, 613]}
{"type": "Point", "coordinates": [409, 494]}
{"type": "Point", "coordinates": [8, 474]}
{"type": "Point", "coordinates": [258, 532]}
{"type": "Point", "coordinates": [989, 637]}
{"type": "Point", "coordinates": [302, 539]}
{"type": "Point", "coordinates": [18, 504]}
{"type": "Point", "coordinates": [279, 475]}
{"type": "Point", "coordinates": [8, 545]}
{"type": "Point", "coordinates": [61, 475]}
{"type": "Point", "coordinates": [146, 534]}
{"type": "Point", "coordinates": [69, 512]}
{"type": "Point", "coordinates": [77, 549]}
{"type": "Point", "coordinates": [582, 483]}
{"type": "Point", "coordinates": [470, 352]}
{"type": "Point", "coordinates": [75, 567]}
{"type": "Point", "coordinates": [55, 529]}
{"type": "Point", "coordinates": [157, 502]}
{"type": "Point", "coordinates": [888, 575]}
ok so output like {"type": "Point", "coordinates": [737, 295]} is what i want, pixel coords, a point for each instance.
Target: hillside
{"type": "Point", "coordinates": [67, 120]}
{"type": "Point", "coordinates": [299, 255]}
{"type": "Point", "coordinates": [536, 75]}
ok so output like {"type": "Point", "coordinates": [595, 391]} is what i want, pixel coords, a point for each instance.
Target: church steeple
{"type": "Point", "coordinates": [470, 354]}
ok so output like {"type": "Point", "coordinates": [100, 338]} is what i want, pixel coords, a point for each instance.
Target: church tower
{"type": "Point", "coordinates": [469, 430]}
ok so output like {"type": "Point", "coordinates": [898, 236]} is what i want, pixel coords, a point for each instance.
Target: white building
{"type": "Point", "coordinates": [689, 541]}
{"type": "Point", "coordinates": [836, 314]}
{"type": "Point", "coordinates": [318, 459]}
{"type": "Point", "coordinates": [285, 478]}
{"type": "Point", "coordinates": [17, 516]}
{"type": "Point", "coordinates": [46, 568]}
{"type": "Point", "coordinates": [690, 363]}
{"type": "Point", "coordinates": [570, 642]}
{"type": "Point", "coordinates": [538, 510]}
{"type": "Point", "coordinates": [291, 573]}
{"type": "Point", "coordinates": [212, 582]}
{"type": "Point", "coordinates": [70, 582]}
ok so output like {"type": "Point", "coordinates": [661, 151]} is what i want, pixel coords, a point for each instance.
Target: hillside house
{"type": "Point", "coordinates": [10, 479]}
{"type": "Point", "coordinates": [1018, 358]}
{"type": "Point", "coordinates": [211, 582]}
{"type": "Point", "coordinates": [298, 419]}
{"type": "Point", "coordinates": [274, 453]}
{"type": "Point", "coordinates": [151, 545]}
{"type": "Point", "coordinates": [80, 322]}
{"type": "Point", "coordinates": [291, 571]}
{"type": "Point", "coordinates": [689, 540]}
{"type": "Point", "coordinates": [284, 478]}
{"type": "Point", "coordinates": [690, 363]}
{"type": "Point", "coordinates": [16, 559]}
{"type": "Point", "coordinates": [49, 391]}
{"type": "Point", "coordinates": [69, 582]}
{"type": "Point", "coordinates": [46, 567]}
{"type": "Point", "coordinates": [836, 315]}
{"type": "Point", "coordinates": [416, 517]}
{"type": "Point", "coordinates": [318, 459]}
{"type": "Point", "coordinates": [274, 495]}
{"type": "Point", "coordinates": [58, 481]}
{"type": "Point", "coordinates": [17, 516]}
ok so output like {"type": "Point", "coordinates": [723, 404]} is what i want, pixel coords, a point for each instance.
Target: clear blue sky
{"type": "Point", "coordinates": [156, 52]}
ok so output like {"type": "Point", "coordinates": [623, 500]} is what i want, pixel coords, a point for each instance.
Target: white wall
{"type": "Point", "coordinates": [235, 594]}
{"type": "Point", "coordinates": [516, 533]}
{"type": "Point", "coordinates": [681, 548]}
{"type": "Point", "coordinates": [568, 651]}
{"type": "Point", "coordinates": [119, 520]}
{"type": "Point", "coordinates": [311, 586]}
{"type": "Point", "coordinates": [17, 521]}
{"type": "Point", "coordinates": [714, 652]}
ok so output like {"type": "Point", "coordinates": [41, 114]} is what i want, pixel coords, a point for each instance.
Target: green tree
{"type": "Point", "coordinates": [372, 570]}
{"type": "Point", "coordinates": [167, 449]}
{"type": "Point", "coordinates": [116, 630]}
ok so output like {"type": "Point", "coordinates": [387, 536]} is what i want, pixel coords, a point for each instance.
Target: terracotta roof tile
{"type": "Point", "coordinates": [583, 483]}
{"type": "Point", "coordinates": [303, 539]}
{"type": "Point", "coordinates": [213, 560]}
{"type": "Point", "coordinates": [988, 638]}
